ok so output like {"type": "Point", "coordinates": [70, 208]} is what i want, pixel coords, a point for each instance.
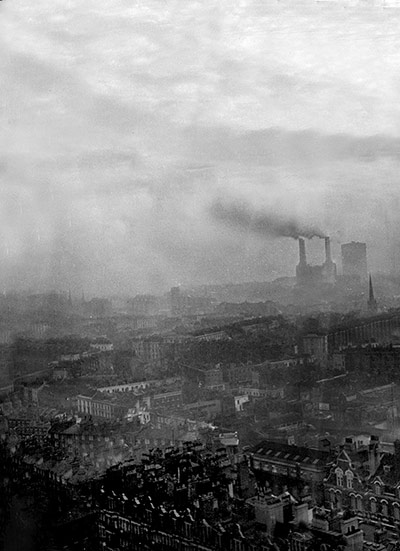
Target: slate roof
{"type": "Point", "coordinates": [387, 470]}
{"type": "Point", "coordinates": [296, 454]}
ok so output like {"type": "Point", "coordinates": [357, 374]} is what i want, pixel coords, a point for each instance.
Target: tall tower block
{"type": "Point", "coordinates": [354, 261]}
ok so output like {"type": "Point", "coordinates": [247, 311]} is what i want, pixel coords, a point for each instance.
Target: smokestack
{"type": "Point", "coordinates": [302, 251]}
{"type": "Point", "coordinates": [328, 257]}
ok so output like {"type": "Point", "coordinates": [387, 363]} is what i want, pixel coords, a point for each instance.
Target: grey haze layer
{"type": "Point", "coordinates": [119, 126]}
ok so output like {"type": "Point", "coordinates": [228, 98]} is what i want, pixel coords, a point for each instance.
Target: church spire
{"type": "Point", "coordinates": [372, 304]}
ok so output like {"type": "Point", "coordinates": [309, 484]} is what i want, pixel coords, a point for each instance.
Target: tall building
{"type": "Point", "coordinates": [354, 260]}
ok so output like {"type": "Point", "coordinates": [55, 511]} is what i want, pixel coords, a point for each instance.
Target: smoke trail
{"type": "Point", "coordinates": [244, 217]}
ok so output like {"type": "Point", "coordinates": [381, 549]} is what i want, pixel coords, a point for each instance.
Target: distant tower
{"type": "Point", "coordinates": [354, 260]}
{"type": "Point", "coordinates": [372, 304]}
{"type": "Point", "coordinates": [176, 301]}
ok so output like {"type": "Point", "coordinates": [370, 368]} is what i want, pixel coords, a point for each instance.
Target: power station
{"type": "Point", "coordinates": [323, 281]}
{"type": "Point", "coordinates": [311, 276]}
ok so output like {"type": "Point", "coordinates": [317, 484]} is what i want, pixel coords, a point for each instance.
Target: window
{"type": "Point", "coordinates": [349, 479]}
{"type": "Point", "coordinates": [339, 477]}
{"type": "Point", "coordinates": [372, 505]}
{"type": "Point", "coordinates": [384, 508]}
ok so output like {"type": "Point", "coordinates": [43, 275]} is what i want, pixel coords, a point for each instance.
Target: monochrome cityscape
{"type": "Point", "coordinates": [241, 417]}
{"type": "Point", "coordinates": [200, 275]}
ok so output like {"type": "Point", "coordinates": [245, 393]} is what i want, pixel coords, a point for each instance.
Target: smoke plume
{"type": "Point", "coordinates": [244, 217]}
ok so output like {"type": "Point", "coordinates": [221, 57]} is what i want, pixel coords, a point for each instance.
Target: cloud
{"type": "Point", "coordinates": [120, 125]}
{"type": "Point", "coordinates": [277, 146]}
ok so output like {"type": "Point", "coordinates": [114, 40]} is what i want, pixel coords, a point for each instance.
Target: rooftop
{"type": "Point", "coordinates": [287, 452]}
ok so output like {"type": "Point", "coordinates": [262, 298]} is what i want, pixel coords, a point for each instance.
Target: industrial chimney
{"type": "Point", "coordinates": [328, 257]}
{"type": "Point", "coordinates": [302, 252]}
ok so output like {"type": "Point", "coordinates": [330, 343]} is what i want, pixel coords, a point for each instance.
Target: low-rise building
{"type": "Point", "coordinates": [207, 377]}
{"type": "Point", "coordinates": [207, 409]}
{"type": "Point", "coordinates": [102, 344]}
{"type": "Point", "coordinates": [171, 399]}
{"type": "Point", "coordinates": [240, 375]}
{"type": "Point", "coordinates": [214, 336]}
{"type": "Point", "coordinates": [301, 470]}
{"type": "Point", "coordinates": [268, 511]}
{"type": "Point", "coordinates": [116, 406]}
{"type": "Point", "coordinates": [105, 444]}
{"type": "Point", "coordinates": [27, 427]}
{"type": "Point", "coordinates": [240, 402]}
{"type": "Point", "coordinates": [139, 386]}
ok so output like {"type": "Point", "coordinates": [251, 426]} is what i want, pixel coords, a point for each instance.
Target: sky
{"type": "Point", "coordinates": [124, 123]}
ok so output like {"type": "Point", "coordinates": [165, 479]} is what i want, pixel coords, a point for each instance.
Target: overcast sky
{"type": "Point", "coordinates": [123, 122]}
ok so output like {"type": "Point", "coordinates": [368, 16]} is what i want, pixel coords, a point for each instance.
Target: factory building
{"type": "Point", "coordinates": [311, 276]}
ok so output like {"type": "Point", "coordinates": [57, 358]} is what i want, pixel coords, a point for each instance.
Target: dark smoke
{"type": "Point", "coordinates": [244, 217]}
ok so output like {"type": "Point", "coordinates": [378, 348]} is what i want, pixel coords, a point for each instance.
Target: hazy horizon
{"type": "Point", "coordinates": [124, 124]}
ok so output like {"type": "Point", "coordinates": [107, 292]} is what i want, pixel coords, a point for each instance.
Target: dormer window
{"type": "Point", "coordinates": [378, 488]}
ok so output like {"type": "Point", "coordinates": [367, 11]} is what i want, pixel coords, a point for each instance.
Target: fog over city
{"type": "Point", "coordinates": [125, 124]}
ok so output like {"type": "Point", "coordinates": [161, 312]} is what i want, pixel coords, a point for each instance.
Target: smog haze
{"type": "Point", "coordinates": [125, 124]}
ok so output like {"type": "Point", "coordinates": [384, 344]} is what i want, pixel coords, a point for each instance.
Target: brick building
{"type": "Point", "coordinates": [367, 481]}
{"type": "Point", "coordinates": [283, 467]}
